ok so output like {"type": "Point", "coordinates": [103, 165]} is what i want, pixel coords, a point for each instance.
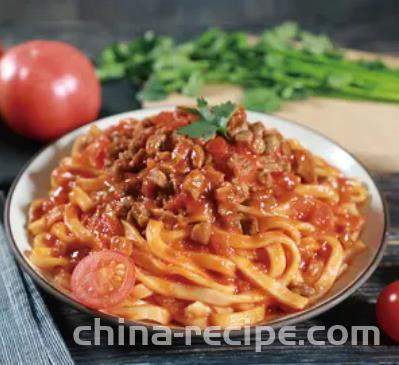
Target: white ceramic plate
{"type": "Point", "coordinates": [34, 179]}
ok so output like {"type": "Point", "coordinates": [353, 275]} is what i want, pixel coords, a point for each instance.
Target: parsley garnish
{"type": "Point", "coordinates": [212, 119]}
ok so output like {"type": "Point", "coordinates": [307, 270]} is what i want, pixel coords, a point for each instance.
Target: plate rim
{"type": "Point", "coordinates": [291, 319]}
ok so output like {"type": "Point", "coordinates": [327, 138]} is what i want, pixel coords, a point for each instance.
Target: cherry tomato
{"type": "Point", "coordinates": [47, 88]}
{"type": "Point", "coordinates": [103, 279]}
{"type": "Point", "coordinates": [387, 310]}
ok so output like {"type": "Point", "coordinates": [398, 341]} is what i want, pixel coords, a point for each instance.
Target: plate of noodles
{"type": "Point", "coordinates": [208, 216]}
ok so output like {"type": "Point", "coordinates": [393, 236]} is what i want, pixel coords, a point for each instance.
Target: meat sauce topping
{"type": "Point", "coordinates": [155, 172]}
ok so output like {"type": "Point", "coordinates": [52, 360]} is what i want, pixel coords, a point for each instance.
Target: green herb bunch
{"type": "Point", "coordinates": [284, 63]}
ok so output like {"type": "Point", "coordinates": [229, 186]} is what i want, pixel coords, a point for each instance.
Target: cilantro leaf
{"type": "Point", "coordinates": [194, 84]}
{"type": "Point", "coordinates": [262, 100]}
{"type": "Point", "coordinates": [202, 103]}
{"type": "Point", "coordinates": [189, 110]}
{"type": "Point", "coordinates": [212, 120]}
{"type": "Point", "coordinates": [339, 80]}
{"type": "Point", "coordinates": [280, 37]}
{"type": "Point", "coordinates": [223, 114]}
{"type": "Point", "coordinates": [203, 109]}
{"type": "Point", "coordinates": [224, 110]}
{"type": "Point", "coordinates": [199, 129]}
{"type": "Point", "coordinates": [152, 90]}
{"type": "Point", "coordinates": [316, 44]}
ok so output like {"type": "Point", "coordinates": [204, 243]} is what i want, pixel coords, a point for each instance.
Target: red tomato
{"type": "Point", "coordinates": [285, 180]}
{"type": "Point", "coordinates": [97, 151]}
{"type": "Point", "coordinates": [1, 49]}
{"type": "Point", "coordinates": [103, 279]}
{"type": "Point", "coordinates": [47, 88]}
{"type": "Point", "coordinates": [314, 211]}
{"type": "Point", "coordinates": [163, 118]}
{"type": "Point", "coordinates": [387, 310]}
{"type": "Point", "coordinates": [103, 223]}
{"type": "Point", "coordinates": [187, 202]}
{"type": "Point", "coordinates": [217, 147]}
{"type": "Point", "coordinates": [322, 216]}
{"type": "Point", "coordinates": [171, 120]}
{"type": "Point", "coordinates": [302, 207]}
{"type": "Point", "coordinates": [109, 225]}
{"type": "Point", "coordinates": [177, 202]}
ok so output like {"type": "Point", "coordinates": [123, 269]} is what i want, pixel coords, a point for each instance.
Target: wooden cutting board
{"type": "Point", "coordinates": [370, 130]}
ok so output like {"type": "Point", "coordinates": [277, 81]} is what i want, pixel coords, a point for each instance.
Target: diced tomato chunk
{"type": "Point", "coordinates": [178, 202]}
{"type": "Point", "coordinates": [104, 224]}
{"type": "Point", "coordinates": [301, 208]}
{"type": "Point", "coordinates": [322, 216]}
{"type": "Point", "coordinates": [163, 118]}
{"type": "Point", "coordinates": [60, 195]}
{"type": "Point", "coordinates": [97, 151]}
{"type": "Point", "coordinates": [110, 225]}
{"type": "Point", "coordinates": [217, 147]}
{"type": "Point", "coordinates": [187, 202]}
{"type": "Point", "coordinates": [284, 181]}
{"type": "Point", "coordinates": [313, 211]}
{"type": "Point", "coordinates": [170, 120]}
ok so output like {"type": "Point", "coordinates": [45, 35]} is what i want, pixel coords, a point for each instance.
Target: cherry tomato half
{"type": "Point", "coordinates": [47, 88]}
{"type": "Point", "coordinates": [103, 279]}
{"type": "Point", "coordinates": [387, 310]}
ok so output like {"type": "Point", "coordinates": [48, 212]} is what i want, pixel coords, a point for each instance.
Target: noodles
{"type": "Point", "coordinates": [140, 291]}
{"type": "Point", "coordinates": [217, 232]}
{"type": "Point", "coordinates": [80, 198]}
{"type": "Point", "coordinates": [239, 319]}
{"type": "Point", "coordinates": [194, 293]}
{"type": "Point", "coordinates": [318, 191]}
{"type": "Point", "coordinates": [278, 260]}
{"type": "Point", "coordinates": [145, 312]}
{"type": "Point", "coordinates": [273, 287]}
{"type": "Point", "coordinates": [332, 266]}
{"type": "Point", "coordinates": [182, 265]}
{"type": "Point", "coordinates": [79, 231]}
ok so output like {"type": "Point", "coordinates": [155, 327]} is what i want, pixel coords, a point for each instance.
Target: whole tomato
{"type": "Point", "coordinates": [47, 88]}
{"type": "Point", "coordinates": [387, 310]}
